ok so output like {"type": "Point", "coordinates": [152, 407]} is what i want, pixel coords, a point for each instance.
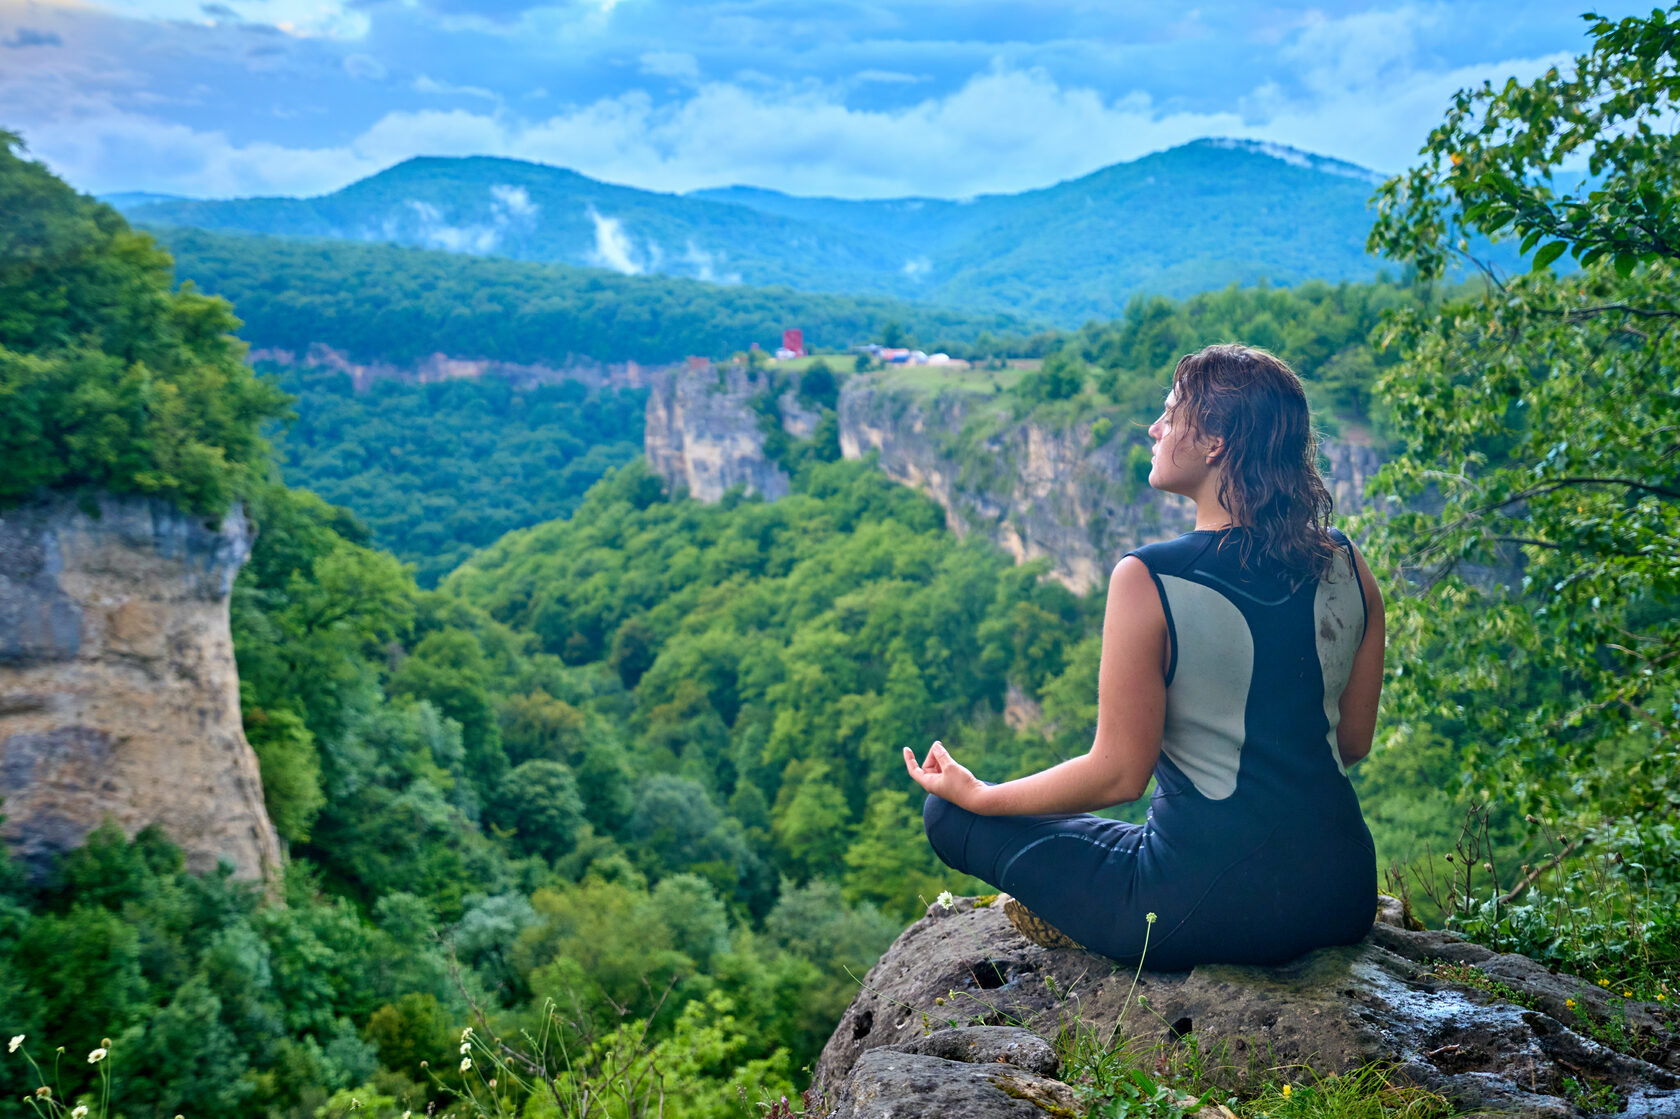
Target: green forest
{"type": "Point", "coordinates": [438, 470]}
{"type": "Point", "coordinates": [401, 305]}
{"type": "Point", "coordinates": [627, 777]}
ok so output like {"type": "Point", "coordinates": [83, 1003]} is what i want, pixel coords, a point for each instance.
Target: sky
{"type": "Point", "coordinates": [848, 98]}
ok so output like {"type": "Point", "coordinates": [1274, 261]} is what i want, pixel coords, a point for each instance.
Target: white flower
{"type": "Point", "coordinates": [79, 1111]}
{"type": "Point", "coordinates": [98, 1055]}
{"type": "Point", "coordinates": [354, 1104]}
{"type": "Point", "coordinates": [466, 1047]}
{"type": "Point", "coordinates": [945, 899]}
{"type": "Point", "coordinates": [466, 1063]}
{"type": "Point", "coordinates": [16, 1041]}
{"type": "Point", "coordinates": [1150, 917]}
{"type": "Point", "coordinates": [466, 1033]}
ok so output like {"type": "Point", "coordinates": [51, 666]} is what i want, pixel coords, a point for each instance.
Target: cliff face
{"type": "Point", "coordinates": [118, 690]}
{"type": "Point", "coordinates": [703, 434]}
{"type": "Point", "coordinates": [1034, 490]}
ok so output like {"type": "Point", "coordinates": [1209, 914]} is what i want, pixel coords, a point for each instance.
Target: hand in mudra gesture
{"type": "Point", "coordinates": [942, 776]}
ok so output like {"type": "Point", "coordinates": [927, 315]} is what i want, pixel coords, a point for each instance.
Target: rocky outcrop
{"type": "Point", "coordinates": [442, 367]}
{"type": "Point", "coordinates": [119, 696]}
{"type": "Point", "coordinates": [1496, 1033]}
{"type": "Point", "coordinates": [1071, 494]}
{"type": "Point", "coordinates": [703, 435]}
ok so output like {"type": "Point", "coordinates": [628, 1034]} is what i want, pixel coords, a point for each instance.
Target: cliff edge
{"type": "Point", "coordinates": [119, 695]}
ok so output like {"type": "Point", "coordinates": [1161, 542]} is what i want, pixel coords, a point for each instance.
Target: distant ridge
{"type": "Point", "coordinates": [1202, 215]}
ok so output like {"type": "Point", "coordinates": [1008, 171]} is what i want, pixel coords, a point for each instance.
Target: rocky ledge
{"type": "Point", "coordinates": [956, 1019]}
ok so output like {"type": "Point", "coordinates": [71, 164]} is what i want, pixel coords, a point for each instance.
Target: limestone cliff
{"type": "Point", "coordinates": [1068, 493]}
{"type": "Point", "coordinates": [119, 694]}
{"type": "Point", "coordinates": [702, 432]}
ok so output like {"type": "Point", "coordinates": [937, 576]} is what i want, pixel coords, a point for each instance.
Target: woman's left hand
{"type": "Point", "coordinates": [943, 777]}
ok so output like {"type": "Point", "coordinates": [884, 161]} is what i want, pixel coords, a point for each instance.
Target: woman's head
{"type": "Point", "coordinates": [1237, 420]}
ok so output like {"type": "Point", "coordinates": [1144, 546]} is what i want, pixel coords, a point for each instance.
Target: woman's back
{"type": "Point", "coordinates": [1251, 795]}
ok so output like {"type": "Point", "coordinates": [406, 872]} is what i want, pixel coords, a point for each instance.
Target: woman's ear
{"type": "Point", "coordinates": [1216, 451]}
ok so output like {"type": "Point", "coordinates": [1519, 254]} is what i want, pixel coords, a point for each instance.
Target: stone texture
{"type": "Point", "coordinates": [1038, 491]}
{"type": "Point", "coordinates": [1333, 1010]}
{"type": "Point", "coordinates": [119, 694]}
{"type": "Point", "coordinates": [702, 434]}
{"type": "Point", "coordinates": [891, 1084]}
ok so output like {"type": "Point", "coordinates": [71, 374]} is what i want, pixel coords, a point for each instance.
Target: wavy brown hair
{"type": "Point", "coordinates": [1254, 402]}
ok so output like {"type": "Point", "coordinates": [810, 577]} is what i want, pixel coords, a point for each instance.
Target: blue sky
{"type": "Point", "coordinates": [948, 98]}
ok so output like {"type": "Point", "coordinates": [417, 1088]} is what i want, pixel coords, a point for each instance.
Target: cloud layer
{"type": "Point", "coordinates": [948, 98]}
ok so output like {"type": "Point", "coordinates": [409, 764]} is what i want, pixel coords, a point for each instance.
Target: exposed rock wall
{"type": "Point", "coordinates": [119, 694]}
{"type": "Point", "coordinates": [1034, 490]}
{"type": "Point", "coordinates": [441, 367]}
{"type": "Point", "coordinates": [702, 433]}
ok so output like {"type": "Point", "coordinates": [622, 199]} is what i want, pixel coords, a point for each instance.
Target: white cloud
{"type": "Point", "coordinates": [1004, 130]}
{"type": "Point", "coordinates": [705, 265]}
{"type": "Point", "coordinates": [364, 67]}
{"type": "Point", "coordinates": [671, 64]}
{"type": "Point", "coordinates": [612, 245]}
{"type": "Point", "coordinates": [426, 84]}
{"type": "Point", "coordinates": [515, 201]}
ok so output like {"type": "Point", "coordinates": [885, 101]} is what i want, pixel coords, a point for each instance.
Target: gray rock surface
{"type": "Point", "coordinates": [119, 695]}
{"type": "Point", "coordinates": [1496, 1033]}
{"type": "Point", "coordinates": [702, 434]}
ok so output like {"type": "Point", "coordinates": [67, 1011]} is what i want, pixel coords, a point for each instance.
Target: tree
{"type": "Point", "coordinates": [1538, 423]}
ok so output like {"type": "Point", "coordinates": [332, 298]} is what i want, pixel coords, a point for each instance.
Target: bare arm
{"type": "Point", "coordinates": [1364, 687]}
{"type": "Point", "coordinates": [1131, 708]}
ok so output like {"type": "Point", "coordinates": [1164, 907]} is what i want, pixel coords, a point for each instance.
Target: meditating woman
{"type": "Point", "coordinates": [1241, 665]}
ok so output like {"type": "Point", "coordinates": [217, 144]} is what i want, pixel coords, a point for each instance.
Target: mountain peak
{"type": "Point", "coordinates": [1295, 157]}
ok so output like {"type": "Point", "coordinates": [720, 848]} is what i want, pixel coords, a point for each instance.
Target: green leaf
{"type": "Point", "coordinates": [1531, 240]}
{"type": "Point", "coordinates": [1543, 259]}
{"type": "Point", "coordinates": [1625, 264]}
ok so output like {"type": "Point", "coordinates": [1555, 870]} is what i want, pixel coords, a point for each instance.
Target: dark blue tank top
{"type": "Point", "coordinates": [1254, 683]}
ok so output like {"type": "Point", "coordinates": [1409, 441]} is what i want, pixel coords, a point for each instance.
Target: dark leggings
{"type": "Point", "coordinates": [1097, 880]}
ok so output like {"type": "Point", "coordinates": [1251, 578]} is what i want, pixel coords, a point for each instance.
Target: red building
{"type": "Point", "coordinates": [794, 340]}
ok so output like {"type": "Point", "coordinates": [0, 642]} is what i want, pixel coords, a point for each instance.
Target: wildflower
{"type": "Point", "coordinates": [492, 1083]}
{"type": "Point", "coordinates": [43, 1093]}
{"type": "Point", "coordinates": [355, 1103]}
{"type": "Point", "coordinates": [1661, 997]}
{"type": "Point", "coordinates": [1604, 982]}
{"type": "Point", "coordinates": [1570, 1003]}
{"type": "Point", "coordinates": [1627, 994]}
{"type": "Point", "coordinates": [466, 1063]}
{"type": "Point", "coordinates": [79, 1111]}
{"type": "Point", "coordinates": [466, 1047]}
{"type": "Point", "coordinates": [1286, 1091]}
{"type": "Point", "coordinates": [945, 900]}
{"type": "Point", "coordinates": [105, 1041]}
{"type": "Point", "coordinates": [16, 1041]}
{"type": "Point", "coordinates": [466, 1034]}
{"type": "Point", "coordinates": [1150, 917]}
{"type": "Point", "coordinates": [98, 1055]}
{"type": "Point", "coordinates": [408, 1115]}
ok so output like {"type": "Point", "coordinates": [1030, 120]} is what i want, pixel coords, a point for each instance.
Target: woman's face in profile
{"type": "Point", "coordinates": [1178, 460]}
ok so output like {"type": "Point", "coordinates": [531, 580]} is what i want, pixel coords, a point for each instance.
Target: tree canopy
{"type": "Point", "coordinates": [109, 379]}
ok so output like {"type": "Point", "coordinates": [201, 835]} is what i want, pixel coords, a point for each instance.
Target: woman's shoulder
{"type": "Point", "coordinates": [1171, 557]}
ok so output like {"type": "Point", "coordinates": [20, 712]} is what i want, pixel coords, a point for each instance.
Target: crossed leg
{"type": "Point", "coordinates": [1076, 871]}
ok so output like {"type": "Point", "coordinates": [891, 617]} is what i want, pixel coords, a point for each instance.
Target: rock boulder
{"type": "Point", "coordinates": [1496, 1033]}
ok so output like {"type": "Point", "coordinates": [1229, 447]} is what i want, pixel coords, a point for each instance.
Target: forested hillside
{"type": "Point", "coordinates": [629, 781]}
{"type": "Point", "coordinates": [399, 305]}
{"type": "Point", "coordinates": [1176, 222]}
{"type": "Point", "coordinates": [438, 470]}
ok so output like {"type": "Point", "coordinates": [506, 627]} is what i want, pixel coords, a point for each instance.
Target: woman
{"type": "Point", "coordinates": [1241, 664]}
